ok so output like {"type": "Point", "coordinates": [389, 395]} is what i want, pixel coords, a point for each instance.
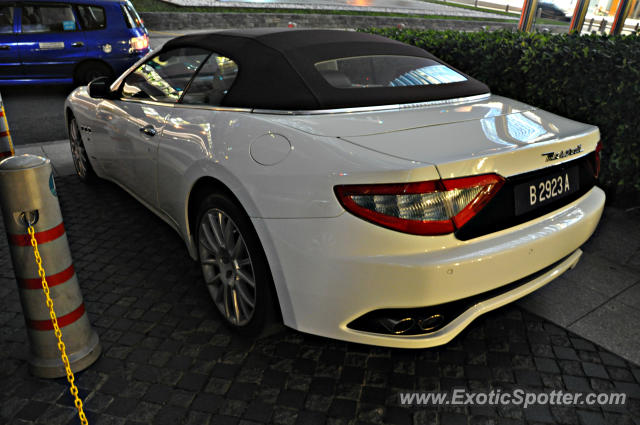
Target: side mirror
{"type": "Point", "coordinates": [100, 88]}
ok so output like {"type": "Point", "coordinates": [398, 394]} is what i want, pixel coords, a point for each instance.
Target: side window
{"type": "Point", "coordinates": [91, 17]}
{"type": "Point", "coordinates": [164, 77]}
{"type": "Point", "coordinates": [6, 19]}
{"type": "Point", "coordinates": [212, 82]}
{"type": "Point", "coordinates": [47, 18]}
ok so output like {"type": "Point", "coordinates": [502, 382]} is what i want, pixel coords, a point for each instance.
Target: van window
{"type": "Point", "coordinates": [47, 18]}
{"type": "Point", "coordinates": [91, 17]}
{"type": "Point", "coordinates": [131, 17]}
{"type": "Point", "coordinates": [6, 19]}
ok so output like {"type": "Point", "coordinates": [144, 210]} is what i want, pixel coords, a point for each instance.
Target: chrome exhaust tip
{"type": "Point", "coordinates": [399, 326]}
{"type": "Point", "coordinates": [431, 323]}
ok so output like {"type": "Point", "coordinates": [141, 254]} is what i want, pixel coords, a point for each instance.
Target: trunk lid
{"type": "Point", "coordinates": [492, 134]}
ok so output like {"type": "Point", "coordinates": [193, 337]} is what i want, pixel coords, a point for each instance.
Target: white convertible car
{"type": "Point", "coordinates": [356, 187]}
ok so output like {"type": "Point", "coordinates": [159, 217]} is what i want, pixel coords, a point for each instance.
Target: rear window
{"type": "Point", "coordinates": [6, 19]}
{"type": "Point", "coordinates": [131, 17]}
{"type": "Point", "coordinates": [386, 71]}
{"type": "Point", "coordinates": [91, 17]}
{"type": "Point", "coordinates": [47, 18]}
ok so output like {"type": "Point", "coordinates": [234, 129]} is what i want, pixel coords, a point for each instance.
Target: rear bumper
{"type": "Point", "coordinates": [331, 271]}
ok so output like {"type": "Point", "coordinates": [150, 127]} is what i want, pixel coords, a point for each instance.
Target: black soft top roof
{"type": "Point", "coordinates": [276, 68]}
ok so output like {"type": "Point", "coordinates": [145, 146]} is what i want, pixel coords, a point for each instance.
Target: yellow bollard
{"type": "Point", "coordinates": [6, 147]}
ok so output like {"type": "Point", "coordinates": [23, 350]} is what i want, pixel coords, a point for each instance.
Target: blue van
{"type": "Point", "coordinates": [68, 41]}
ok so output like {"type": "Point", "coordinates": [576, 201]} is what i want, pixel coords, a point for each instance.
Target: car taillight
{"type": "Point", "coordinates": [596, 171]}
{"type": "Point", "coordinates": [425, 208]}
{"type": "Point", "coordinates": [139, 43]}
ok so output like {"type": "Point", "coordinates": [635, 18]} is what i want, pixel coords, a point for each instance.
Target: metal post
{"type": "Point", "coordinates": [6, 146]}
{"type": "Point", "coordinates": [577, 20]}
{"type": "Point", "coordinates": [621, 15]}
{"type": "Point", "coordinates": [528, 15]}
{"type": "Point", "coordinates": [28, 194]}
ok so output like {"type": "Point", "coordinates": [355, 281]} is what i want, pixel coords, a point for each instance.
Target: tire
{"type": "Point", "coordinates": [89, 71]}
{"type": "Point", "coordinates": [84, 170]}
{"type": "Point", "coordinates": [234, 267]}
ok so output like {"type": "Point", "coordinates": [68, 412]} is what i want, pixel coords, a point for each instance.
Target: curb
{"type": "Point", "coordinates": [298, 6]}
{"type": "Point", "coordinates": [192, 20]}
{"type": "Point", "coordinates": [58, 151]}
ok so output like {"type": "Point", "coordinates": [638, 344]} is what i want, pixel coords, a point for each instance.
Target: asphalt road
{"type": "Point", "coordinates": [35, 113]}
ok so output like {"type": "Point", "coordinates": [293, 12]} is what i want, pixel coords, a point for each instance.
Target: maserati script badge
{"type": "Point", "coordinates": [552, 156]}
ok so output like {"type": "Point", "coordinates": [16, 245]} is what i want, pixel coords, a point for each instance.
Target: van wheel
{"type": "Point", "coordinates": [89, 71]}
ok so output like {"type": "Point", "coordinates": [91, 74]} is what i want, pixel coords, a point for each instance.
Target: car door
{"type": "Point", "coordinates": [10, 67]}
{"type": "Point", "coordinates": [195, 129]}
{"type": "Point", "coordinates": [51, 43]}
{"type": "Point", "coordinates": [136, 120]}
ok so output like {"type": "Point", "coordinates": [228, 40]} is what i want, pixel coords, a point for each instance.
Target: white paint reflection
{"type": "Point", "coordinates": [557, 224]}
{"type": "Point", "coordinates": [514, 129]}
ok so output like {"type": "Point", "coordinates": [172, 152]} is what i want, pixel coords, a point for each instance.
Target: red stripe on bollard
{"type": "Point", "coordinates": [6, 154]}
{"type": "Point", "coordinates": [1, 113]}
{"type": "Point", "coordinates": [67, 319]}
{"type": "Point", "coordinates": [4, 133]}
{"type": "Point", "coordinates": [52, 280]}
{"type": "Point", "coordinates": [42, 237]}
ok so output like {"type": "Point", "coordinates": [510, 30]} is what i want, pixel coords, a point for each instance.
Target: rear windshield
{"type": "Point", "coordinates": [131, 17]}
{"type": "Point", "coordinates": [386, 71]}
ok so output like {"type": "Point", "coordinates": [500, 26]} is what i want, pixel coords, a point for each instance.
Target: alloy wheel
{"type": "Point", "coordinates": [77, 149]}
{"type": "Point", "coordinates": [227, 267]}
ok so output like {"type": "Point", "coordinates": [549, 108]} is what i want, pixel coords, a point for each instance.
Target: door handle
{"type": "Point", "coordinates": [77, 44]}
{"type": "Point", "coordinates": [148, 130]}
{"type": "Point", "coordinates": [5, 47]}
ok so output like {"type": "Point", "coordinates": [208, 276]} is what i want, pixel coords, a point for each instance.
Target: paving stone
{"type": "Point", "coordinates": [546, 365]}
{"type": "Point", "coordinates": [614, 326]}
{"type": "Point", "coordinates": [121, 406]}
{"type": "Point", "coordinates": [170, 415]}
{"type": "Point", "coordinates": [310, 418]}
{"type": "Point", "coordinates": [576, 384]}
{"type": "Point", "coordinates": [169, 359]}
{"type": "Point", "coordinates": [342, 408]}
{"type": "Point", "coordinates": [207, 403]}
{"type": "Point", "coordinates": [291, 398]}
{"type": "Point", "coordinates": [193, 381]}
{"type": "Point", "coordinates": [198, 418]}
{"type": "Point", "coordinates": [181, 398]}
{"type": "Point", "coordinates": [595, 370]}
{"type": "Point", "coordinates": [145, 412]}
{"type": "Point", "coordinates": [590, 418]}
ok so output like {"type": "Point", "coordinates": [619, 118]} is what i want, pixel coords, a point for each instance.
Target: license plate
{"type": "Point", "coordinates": [546, 189]}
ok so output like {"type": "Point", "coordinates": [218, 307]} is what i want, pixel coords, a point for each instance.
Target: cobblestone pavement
{"type": "Point", "coordinates": [168, 360]}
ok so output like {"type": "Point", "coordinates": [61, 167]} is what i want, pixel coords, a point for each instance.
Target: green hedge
{"type": "Point", "coordinates": [593, 79]}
